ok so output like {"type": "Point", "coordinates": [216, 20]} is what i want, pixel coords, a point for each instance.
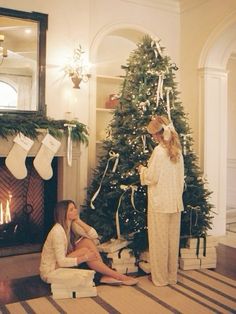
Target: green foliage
{"type": "Point", "coordinates": [127, 137]}
{"type": "Point", "coordinates": [30, 125]}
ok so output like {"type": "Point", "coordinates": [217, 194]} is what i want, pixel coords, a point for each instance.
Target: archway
{"type": "Point", "coordinates": [213, 103]}
{"type": "Point", "coordinates": [109, 50]}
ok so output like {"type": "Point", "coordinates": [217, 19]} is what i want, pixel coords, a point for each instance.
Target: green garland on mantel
{"type": "Point", "coordinates": [30, 125]}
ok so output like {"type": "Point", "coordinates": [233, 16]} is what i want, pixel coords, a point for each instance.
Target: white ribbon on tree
{"type": "Point", "coordinates": [156, 47]}
{"type": "Point", "coordinates": [69, 143]}
{"type": "Point", "coordinates": [125, 188]}
{"type": "Point", "coordinates": [185, 136]}
{"type": "Point", "coordinates": [168, 90]}
{"type": "Point", "coordinates": [112, 155]}
{"type": "Point", "coordinates": [159, 93]}
{"type": "Point", "coordinates": [143, 137]}
{"type": "Point", "coordinates": [196, 209]}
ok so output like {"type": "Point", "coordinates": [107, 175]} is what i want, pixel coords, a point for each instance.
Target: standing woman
{"type": "Point", "coordinates": [71, 242]}
{"type": "Point", "coordinates": [164, 177]}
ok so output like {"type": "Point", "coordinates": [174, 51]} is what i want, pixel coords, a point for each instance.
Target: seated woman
{"type": "Point", "coordinates": [63, 248]}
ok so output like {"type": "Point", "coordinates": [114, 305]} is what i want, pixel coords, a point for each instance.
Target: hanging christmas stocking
{"type": "Point", "coordinates": [15, 160]}
{"type": "Point", "coordinates": [44, 157]}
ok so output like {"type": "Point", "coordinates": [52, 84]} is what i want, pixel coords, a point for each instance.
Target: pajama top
{"type": "Point", "coordinates": [54, 253]}
{"type": "Point", "coordinates": [165, 180]}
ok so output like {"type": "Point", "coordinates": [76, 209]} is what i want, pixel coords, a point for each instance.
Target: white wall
{"type": "Point", "coordinates": [207, 39]}
{"type": "Point", "coordinates": [198, 21]}
{"type": "Point", "coordinates": [78, 21]}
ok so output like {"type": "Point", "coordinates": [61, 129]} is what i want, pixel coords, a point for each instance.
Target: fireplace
{"type": "Point", "coordinates": [26, 206]}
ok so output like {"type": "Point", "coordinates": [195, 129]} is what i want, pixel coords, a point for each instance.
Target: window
{"type": "Point", "coordinates": [8, 96]}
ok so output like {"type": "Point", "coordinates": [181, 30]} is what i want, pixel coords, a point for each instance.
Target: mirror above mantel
{"type": "Point", "coordinates": [22, 61]}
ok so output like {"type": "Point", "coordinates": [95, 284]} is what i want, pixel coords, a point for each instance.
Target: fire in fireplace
{"type": "Point", "coordinates": [26, 206]}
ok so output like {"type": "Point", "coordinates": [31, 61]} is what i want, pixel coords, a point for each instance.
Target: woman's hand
{"type": "Point", "coordinates": [139, 168]}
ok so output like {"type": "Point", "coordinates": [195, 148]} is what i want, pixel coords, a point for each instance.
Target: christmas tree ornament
{"type": "Point", "coordinates": [15, 160]}
{"type": "Point", "coordinates": [45, 155]}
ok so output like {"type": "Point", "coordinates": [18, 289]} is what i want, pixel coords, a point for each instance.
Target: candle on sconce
{"type": "Point", "coordinates": [2, 37]}
{"type": "Point", "coordinates": [1, 214]}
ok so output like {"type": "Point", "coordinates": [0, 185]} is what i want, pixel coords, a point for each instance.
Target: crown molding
{"type": "Point", "coordinates": [167, 5]}
{"type": "Point", "coordinates": [186, 5]}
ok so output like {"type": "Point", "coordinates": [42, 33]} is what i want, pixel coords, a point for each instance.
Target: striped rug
{"type": "Point", "coordinates": [198, 291]}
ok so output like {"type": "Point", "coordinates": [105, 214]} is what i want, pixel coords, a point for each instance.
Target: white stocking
{"type": "Point", "coordinates": [44, 157]}
{"type": "Point", "coordinates": [15, 160]}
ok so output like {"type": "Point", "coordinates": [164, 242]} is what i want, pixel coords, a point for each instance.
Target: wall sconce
{"type": "Point", "coordinates": [3, 50]}
{"type": "Point", "coordinates": [77, 69]}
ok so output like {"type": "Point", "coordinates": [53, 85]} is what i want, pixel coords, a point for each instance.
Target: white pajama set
{"type": "Point", "coordinates": [165, 181]}
{"type": "Point", "coordinates": [54, 253]}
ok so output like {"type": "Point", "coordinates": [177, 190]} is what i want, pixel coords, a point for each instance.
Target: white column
{"type": "Point", "coordinates": [214, 114]}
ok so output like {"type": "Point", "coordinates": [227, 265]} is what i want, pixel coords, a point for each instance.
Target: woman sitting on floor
{"type": "Point", "coordinates": [71, 242]}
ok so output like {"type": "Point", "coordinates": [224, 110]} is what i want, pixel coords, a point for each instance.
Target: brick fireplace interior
{"type": "Point", "coordinates": [26, 209]}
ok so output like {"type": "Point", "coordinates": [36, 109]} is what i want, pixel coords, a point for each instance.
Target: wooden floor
{"type": "Point", "coordinates": [30, 287]}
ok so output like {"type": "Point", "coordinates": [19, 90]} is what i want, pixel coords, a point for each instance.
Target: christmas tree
{"type": "Point", "coordinates": [117, 203]}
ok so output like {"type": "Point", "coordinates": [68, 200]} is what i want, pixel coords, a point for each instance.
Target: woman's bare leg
{"type": "Point", "coordinates": [97, 264]}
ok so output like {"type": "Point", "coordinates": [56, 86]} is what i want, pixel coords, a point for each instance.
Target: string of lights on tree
{"type": "Point", "coordinates": [149, 88]}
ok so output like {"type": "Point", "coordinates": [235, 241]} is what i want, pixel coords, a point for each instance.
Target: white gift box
{"type": "Point", "coordinates": [208, 266]}
{"type": "Point", "coordinates": [122, 261]}
{"type": "Point", "coordinates": [208, 262]}
{"type": "Point", "coordinates": [71, 277]}
{"type": "Point", "coordinates": [211, 241]}
{"type": "Point", "coordinates": [189, 263]}
{"type": "Point", "coordinates": [68, 294]}
{"type": "Point", "coordinates": [125, 269]}
{"type": "Point", "coordinates": [113, 245]}
{"type": "Point", "coordinates": [124, 254]}
{"type": "Point", "coordinates": [191, 253]}
{"type": "Point", "coordinates": [69, 287]}
{"type": "Point", "coordinates": [145, 267]}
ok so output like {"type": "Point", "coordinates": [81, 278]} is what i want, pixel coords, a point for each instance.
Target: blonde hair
{"type": "Point", "coordinates": [159, 126]}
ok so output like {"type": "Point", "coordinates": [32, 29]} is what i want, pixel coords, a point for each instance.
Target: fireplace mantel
{"type": "Point", "coordinates": [68, 176]}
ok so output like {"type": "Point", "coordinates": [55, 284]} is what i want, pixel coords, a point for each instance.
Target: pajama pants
{"type": "Point", "coordinates": [163, 237]}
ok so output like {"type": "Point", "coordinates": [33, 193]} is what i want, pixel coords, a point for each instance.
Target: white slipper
{"type": "Point", "coordinates": [130, 282]}
{"type": "Point", "coordinates": [110, 281]}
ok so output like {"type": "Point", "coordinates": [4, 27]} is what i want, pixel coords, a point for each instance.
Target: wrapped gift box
{"type": "Point", "coordinates": [208, 262]}
{"type": "Point", "coordinates": [71, 277]}
{"type": "Point", "coordinates": [189, 263]}
{"type": "Point", "coordinates": [69, 287]}
{"type": "Point", "coordinates": [113, 245]}
{"type": "Point", "coordinates": [68, 294]}
{"type": "Point", "coordinates": [125, 268]}
{"type": "Point", "coordinates": [120, 261]}
{"type": "Point", "coordinates": [208, 266]}
{"type": "Point", "coordinates": [145, 266]}
{"type": "Point", "coordinates": [123, 254]}
{"type": "Point", "coordinates": [211, 241]}
{"type": "Point", "coordinates": [191, 253]}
